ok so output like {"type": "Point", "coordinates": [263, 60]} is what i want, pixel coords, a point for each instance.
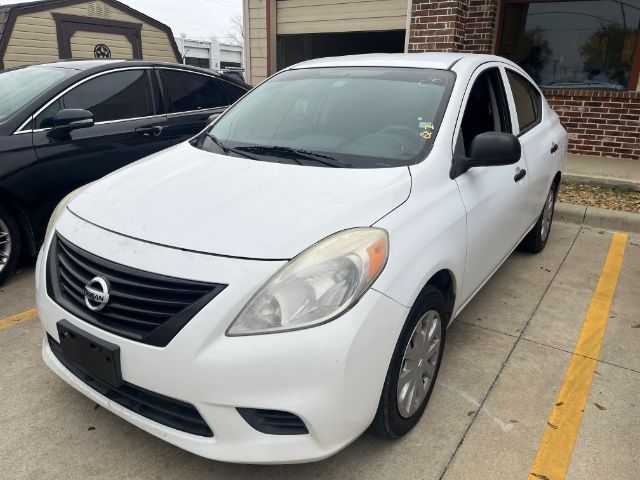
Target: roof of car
{"type": "Point", "coordinates": [79, 65]}
{"type": "Point", "coordinates": [102, 65]}
{"type": "Point", "coordinates": [437, 60]}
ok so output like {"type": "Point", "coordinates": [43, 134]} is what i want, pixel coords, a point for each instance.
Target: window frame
{"type": "Point", "coordinates": [480, 69]}
{"type": "Point", "coordinates": [29, 122]}
{"type": "Point", "coordinates": [539, 110]}
{"type": "Point", "coordinates": [167, 98]}
{"type": "Point", "coordinates": [634, 73]}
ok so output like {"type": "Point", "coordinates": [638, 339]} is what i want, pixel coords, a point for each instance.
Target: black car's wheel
{"type": "Point", "coordinates": [10, 244]}
{"type": "Point", "coordinates": [414, 367]}
{"type": "Point", "coordinates": [536, 239]}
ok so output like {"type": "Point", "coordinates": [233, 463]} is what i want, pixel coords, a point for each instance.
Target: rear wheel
{"type": "Point", "coordinates": [10, 244]}
{"type": "Point", "coordinates": [536, 239]}
{"type": "Point", "coordinates": [414, 367]}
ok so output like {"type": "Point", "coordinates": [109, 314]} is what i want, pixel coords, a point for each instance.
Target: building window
{"type": "Point", "coordinates": [589, 44]}
{"type": "Point", "coordinates": [230, 64]}
{"type": "Point", "coordinates": [197, 62]}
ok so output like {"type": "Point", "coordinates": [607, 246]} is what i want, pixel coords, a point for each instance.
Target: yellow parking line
{"type": "Point", "coordinates": [556, 447]}
{"type": "Point", "coordinates": [20, 317]}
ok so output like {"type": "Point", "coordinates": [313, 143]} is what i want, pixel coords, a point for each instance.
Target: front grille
{"type": "Point", "coordinates": [142, 306]}
{"type": "Point", "coordinates": [273, 422]}
{"type": "Point", "coordinates": [165, 410]}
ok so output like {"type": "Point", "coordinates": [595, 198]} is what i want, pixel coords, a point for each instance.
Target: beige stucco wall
{"type": "Point", "coordinates": [34, 40]}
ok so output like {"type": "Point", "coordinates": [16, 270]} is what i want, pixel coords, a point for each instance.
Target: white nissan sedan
{"type": "Point", "coordinates": [272, 288]}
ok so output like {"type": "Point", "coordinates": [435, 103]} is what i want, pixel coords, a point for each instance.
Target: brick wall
{"type": "Point", "coordinates": [452, 25]}
{"type": "Point", "coordinates": [599, 122]}
{"type": "Point", "coordinates": [437, 25]}
{"type": "Point", "coordinates": [480, 26]}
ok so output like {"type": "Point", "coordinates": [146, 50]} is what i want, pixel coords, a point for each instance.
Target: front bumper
{"type": "Point", "coordinates": [330, 376]}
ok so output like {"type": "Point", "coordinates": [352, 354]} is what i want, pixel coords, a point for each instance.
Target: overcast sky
{"type": "Point", "coordinates": [196, 18]}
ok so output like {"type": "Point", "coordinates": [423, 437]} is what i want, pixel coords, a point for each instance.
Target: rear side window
{"type": "Point", "coordinates": [191, 92]}
{"type": "Point", "coordinates": [527, 99]}
{"type": "Point", "coordinates": [114, 96]}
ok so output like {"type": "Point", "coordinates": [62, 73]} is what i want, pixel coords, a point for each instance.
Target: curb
{"type": "Point", "coordinates": [598, 217]}
{"type": "Point", "coordinates": [606, 182]}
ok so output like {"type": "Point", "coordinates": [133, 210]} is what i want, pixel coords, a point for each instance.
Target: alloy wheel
{"type": "Point", "coordinates": [5, 245]}
{"type": "Point", "coordinates": [419, 363]}
{"type": "Point", "coordinates": [547, 215]}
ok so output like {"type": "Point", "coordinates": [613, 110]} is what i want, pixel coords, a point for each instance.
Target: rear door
{"type": "Point", "coordinates": [495, 198]}
{"type": "Point", "coordinates": [127, 127]}
{"type": "Point", "coordinates": [538, 138]}
{"type": "Point", "coordinates": [191, 98]}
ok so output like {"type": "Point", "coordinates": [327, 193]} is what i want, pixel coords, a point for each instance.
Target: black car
{"type": "Point", "coordinates": [65, 124]}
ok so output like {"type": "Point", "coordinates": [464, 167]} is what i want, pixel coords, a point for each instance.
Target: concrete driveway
{"type": "Point", "coordinates": [508, 375]}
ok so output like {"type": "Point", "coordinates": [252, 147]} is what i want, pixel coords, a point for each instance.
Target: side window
{"type": "Point", "coordinates": [486, 109]}
{"type": "Point", "coordinates": [527, 100]}
{"type": "Point", "coordinates": [114, 96]}
{"type": "Point", "coordinates": [190, 91]}
{"type": "Point", "coordinates": [233, 92]}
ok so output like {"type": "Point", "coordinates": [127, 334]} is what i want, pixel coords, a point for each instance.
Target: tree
{"type": "Point", "coordinates": [608, 53]}
{"type": "Point", "coordinates": [236, 31]}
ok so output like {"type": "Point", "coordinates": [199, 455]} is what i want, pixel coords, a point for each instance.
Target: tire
{"type": "Point", "coordinates": [536, 239]}
{"type": "Point", "coordinates": [393, 418]}
{"type": "Point", "coordinates": [10, 244]}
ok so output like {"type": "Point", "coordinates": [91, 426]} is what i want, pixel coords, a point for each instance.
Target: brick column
{"type": "Point", "coordinates": [480, 26]}
{"type": "Point", "coordinates": [437, 25]}
{"type": "Point", "coordinates": [452, 25]}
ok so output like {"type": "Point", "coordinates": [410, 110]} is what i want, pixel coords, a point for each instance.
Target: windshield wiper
{"type": "Point", "coordinates": [297, 153]}
{"type": "Point", "coordinates": [227, 149]}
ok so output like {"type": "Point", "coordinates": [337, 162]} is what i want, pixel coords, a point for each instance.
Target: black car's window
{"type": "Point", "coordinates": [191, 92]}
{"type": "Point", "coordinates": [113, 96]}
{"type": "Point", "coordinates": [527, 100]}
{"type": "Point", "coordinates": [365, 117]}
{"type": "Point", "coordinates": [486, 109]}
{"type": "Point", "coordinates": [233, 92]}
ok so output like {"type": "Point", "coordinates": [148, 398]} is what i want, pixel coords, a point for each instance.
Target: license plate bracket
{"type": "Point", "coordinates": [97, 357]}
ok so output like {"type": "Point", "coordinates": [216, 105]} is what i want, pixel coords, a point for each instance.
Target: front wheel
{"type": "Point", "coordinates": [10, 244]}
{"type": "Point", "coordinates": [536, 239]}
{"type": "Point", "coordinates": [414, 367]}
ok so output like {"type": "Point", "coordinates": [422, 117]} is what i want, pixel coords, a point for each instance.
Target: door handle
{"type": "Point", "coordinates": [554, 147]}
{"type": "Point", "coordinates": [155, 130]}
{"type": "Point", "coordinates": [519, 175]}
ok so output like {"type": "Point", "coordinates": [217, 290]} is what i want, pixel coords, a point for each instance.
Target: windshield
{"type": "Point", "coordinates": [19, 87]}
{"type": "Point", "coordinates": [361, 117]}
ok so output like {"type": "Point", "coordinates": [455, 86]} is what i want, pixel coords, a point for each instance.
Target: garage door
{"type": "Point", "coordinates": [322, 16]}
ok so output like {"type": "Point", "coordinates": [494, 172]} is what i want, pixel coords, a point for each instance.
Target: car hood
{"type": "Point", "coordinates": [191, 199]}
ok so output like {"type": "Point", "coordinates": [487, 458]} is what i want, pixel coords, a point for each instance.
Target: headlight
{"type": "Point", "coordinates": [60, 208]}
{"type": "Point", "coordinates": [318, 285]}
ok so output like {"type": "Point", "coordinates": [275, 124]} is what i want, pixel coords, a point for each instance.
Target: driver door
{"type": "Point", "coordinates": [128, 126]}
{"type": "Point", "coordinates": [496, 197]}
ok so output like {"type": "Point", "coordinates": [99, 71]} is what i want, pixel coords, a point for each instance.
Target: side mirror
{"type": "Point", "coordinates": [70, 119]}
{"type": "Point", "coordinates": [488, 149]}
